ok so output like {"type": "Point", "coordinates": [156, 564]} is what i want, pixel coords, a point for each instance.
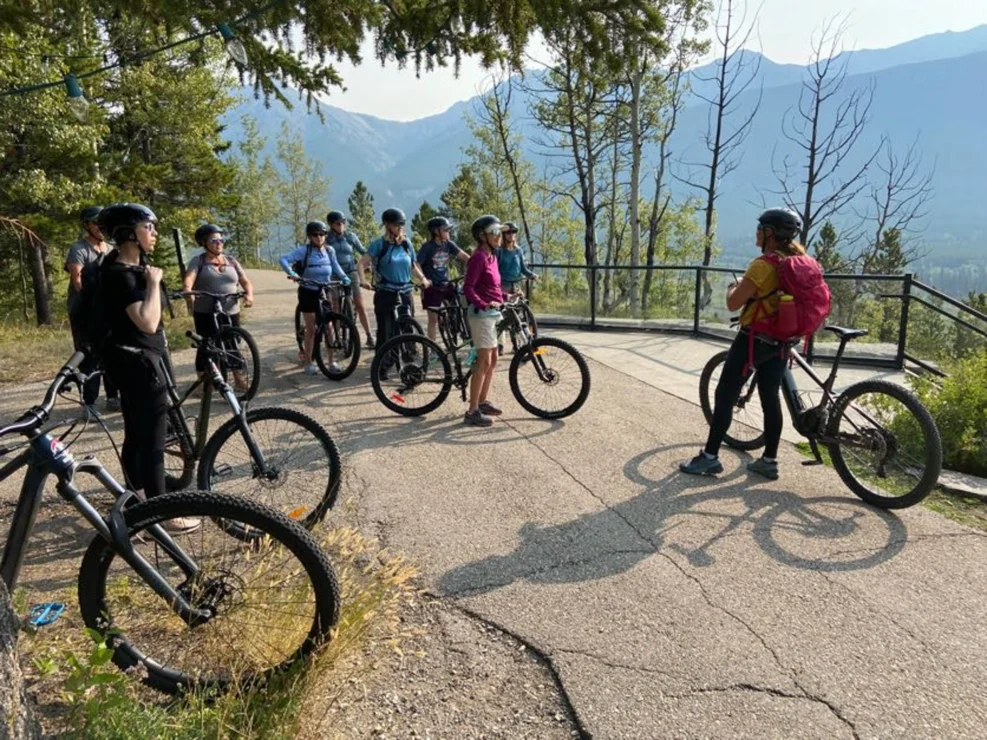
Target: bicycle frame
{"type": "Point", "coordinates": [47, 456]}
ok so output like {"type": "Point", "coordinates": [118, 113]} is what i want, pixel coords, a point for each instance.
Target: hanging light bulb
{"type": "Point", "coordinates": [234, 46]}
{"type": "Point", "coordinates": [77, 101]}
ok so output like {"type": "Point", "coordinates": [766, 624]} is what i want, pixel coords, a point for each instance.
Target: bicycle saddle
{"type": "Point", "coordinates": [847, 334]}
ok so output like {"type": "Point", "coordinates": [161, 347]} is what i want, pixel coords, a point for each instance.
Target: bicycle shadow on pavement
{"type": "Point", "coordinates": [823, 533]}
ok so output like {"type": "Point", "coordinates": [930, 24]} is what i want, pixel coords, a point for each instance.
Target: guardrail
{"type": "Point", "coordinates": [686, 299]}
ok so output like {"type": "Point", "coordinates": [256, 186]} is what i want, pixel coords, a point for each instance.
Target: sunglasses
{"type": "Point", "coordinates": [493, 229]}
{"type": "Point", "coordinates": [148, 226]}
{"type": "Point", "coordinates": [217, 240]}
{"type": "Point", "coordinates": [512, 231]}
{"type": "Point", "coordinates": [318, 233]}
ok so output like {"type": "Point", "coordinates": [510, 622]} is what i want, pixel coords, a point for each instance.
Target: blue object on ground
{"type": "Point", "coordinates": [41, 615]}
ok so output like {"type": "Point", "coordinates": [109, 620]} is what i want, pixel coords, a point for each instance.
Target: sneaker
{"type": "Point", "coordinates": [113, 404]}
{"type": "Point", "coordinates": [702, 465]}
{"type": "Point", "coordinates": [181, 525]}
{"type": "Point", "coordinates": [500, 350]}
{"type": "Point", "coordinates": [764, 468]}
{"type": "Point", "coordinates": [335, 368]}
{"type": "Point", "coordinates": [489, 409]}
{"type": "Point", "coordinates": [370, 342]}
{"type": "Point", "coordinates": [477, 419]}
{"type": "Point", "coordinates": [311, 369]}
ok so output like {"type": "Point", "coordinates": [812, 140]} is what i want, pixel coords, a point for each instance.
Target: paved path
{"type": "Point", "coordinates": [669, 606]}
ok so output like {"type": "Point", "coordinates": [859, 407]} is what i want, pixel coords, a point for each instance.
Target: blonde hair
{"type": "Point", "coordinates": [790, 248]}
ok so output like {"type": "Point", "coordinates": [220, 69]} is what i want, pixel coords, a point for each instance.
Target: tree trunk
{"type": "Point", "coordinates": [36, 264]}
{"type": "Point", "coordinates": [635, 186]}
{"type": "Point", "coordinates": [19, 720]}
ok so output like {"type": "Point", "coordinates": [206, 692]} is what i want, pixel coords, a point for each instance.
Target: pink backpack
{"type": "Point", "coordinates": [805, 300]}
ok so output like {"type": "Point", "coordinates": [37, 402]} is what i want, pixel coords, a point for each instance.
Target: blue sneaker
{"type": "Point", "coordinates": [764, 468]}
{"type": "Point", "coordinates": [702, 465]}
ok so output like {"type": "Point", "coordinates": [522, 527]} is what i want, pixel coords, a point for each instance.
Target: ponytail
{"type": "Point", "coordinates": [790, 248]}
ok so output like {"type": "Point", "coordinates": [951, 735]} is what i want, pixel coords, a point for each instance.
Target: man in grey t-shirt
{"type": "Point", "coordinates": [90, 248]}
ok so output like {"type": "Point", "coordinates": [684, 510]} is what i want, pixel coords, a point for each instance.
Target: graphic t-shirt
{"type": "Point", "coordinates": [435, 258]}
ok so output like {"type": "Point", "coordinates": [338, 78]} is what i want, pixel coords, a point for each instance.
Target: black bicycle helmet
{"type": "Point", "coordinates": [119, 221]}
{"type": "Point", "coordinates": [393, 216]}
{"type": "Point", "coordinates": [316, 227]}
{"type": "Point", "coordinates": [783, 222]}
{"type": "Point", "coordinates": [205, 231]}
{"type": "Point", "coordinates": [439, 222]}
{"type": "Point", "coordinates": [482, 224]}
{"type": "Point", "coordinates": [90, 214]}
{"type": "Point", "coordinates": [511, 226]}
{"type": "Point", "coordinates": [334, 217]}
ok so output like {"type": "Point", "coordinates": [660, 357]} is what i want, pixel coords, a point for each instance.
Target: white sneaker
{"type": "Point", "coordinates": [182, 525]}
{"type": "Point", "coordinates": [335, 368]}
{"type": "Point", "coordinates": [311, 369]}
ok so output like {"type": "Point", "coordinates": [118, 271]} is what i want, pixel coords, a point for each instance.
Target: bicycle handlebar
{"type": "Point", "coordinates": [218, 296]}
{"type": "Point", "coordinates": [31, 420]}
{"type": "Point", "coordinates": [319, 284]}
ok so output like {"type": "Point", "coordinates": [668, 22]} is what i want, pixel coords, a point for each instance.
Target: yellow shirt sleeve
{"type": "Point", "coordinates": [764, 275]}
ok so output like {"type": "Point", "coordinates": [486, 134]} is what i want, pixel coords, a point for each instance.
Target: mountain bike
{"type": "Point", "coordinates": [278, 456]}
{"type": "Point", "coordinates": [334, 331]}
{"type": "Point", "coordinates": [196, 610]}
{"type": "Point", "coordinates": [239, 355]}
{"type": "Point", "coordinates": [525, 317]}
{"type": "Point", "coordinates": [548, 377]}
{"type": "Point", "coordinates": [882, 441]}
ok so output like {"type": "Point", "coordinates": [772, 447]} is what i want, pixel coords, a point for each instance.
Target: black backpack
{"type": "Point", "coordinates": [91, 306]}
{"type": "Point", "coordinates": [299, 266]}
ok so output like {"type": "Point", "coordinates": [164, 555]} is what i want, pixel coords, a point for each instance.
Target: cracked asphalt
{"type": "Point", "coordinates": [666, 605]}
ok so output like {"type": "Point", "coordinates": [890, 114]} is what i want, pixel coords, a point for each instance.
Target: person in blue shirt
{"type": "Point", "coordinates": [510, 260]}
{"type": "Point", "coordinates": [318, 262]}
{"type": "Point", "coordinates": [434, 258]}
{"type": "Point", "coordinates": [348, 251]}
{"type": "Point", "coordinates": [393, 260]}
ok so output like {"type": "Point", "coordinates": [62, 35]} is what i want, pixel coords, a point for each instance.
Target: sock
{"type": "Point", "coordinates": [707, 455]}
{"type": "Point", "coordinates": [769, 460]}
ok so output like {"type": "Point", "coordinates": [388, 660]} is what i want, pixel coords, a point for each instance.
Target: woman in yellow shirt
{"type": "Point", "coordinates": [756, 294]}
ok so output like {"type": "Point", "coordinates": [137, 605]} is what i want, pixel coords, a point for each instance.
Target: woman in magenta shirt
{"type": "Point", "coordinates": [483, 291]}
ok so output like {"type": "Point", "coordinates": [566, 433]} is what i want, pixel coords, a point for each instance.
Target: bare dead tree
{"type": "Point", "coordinates": [898, 200]}
{"type": "Point", "coordinates": [36, 250]}
{"type": "Point", "coordinates": [728, 124]}
{"type": "Point", "coordinates": [826, 126]}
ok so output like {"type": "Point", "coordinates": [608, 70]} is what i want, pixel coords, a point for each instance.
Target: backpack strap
{"type": "Point", "coordinates": [308, 251]}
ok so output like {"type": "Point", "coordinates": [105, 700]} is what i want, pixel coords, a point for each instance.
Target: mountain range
{"type": "Point", "coordinates": [931, 91]}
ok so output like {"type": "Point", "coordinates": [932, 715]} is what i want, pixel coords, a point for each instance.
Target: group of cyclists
{"type": "Point", "coordinates": [133, 349]}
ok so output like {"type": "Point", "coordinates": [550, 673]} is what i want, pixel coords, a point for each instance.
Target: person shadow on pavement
{"type": "Point", "coordinates": [825, 533]}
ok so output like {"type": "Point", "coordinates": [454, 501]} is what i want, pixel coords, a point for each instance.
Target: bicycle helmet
{"type": "Point", "coordinates": [511, 226]}
{"type": "Point", "coordinates": [316, 227]}
{"type": "Point", "coordinates": [205, 231]}
{"type": "Point", "coordinates": [783, 222]}
{"type": "Point", "coordinates": [439, 222]}
{"type": "Point", "coordinates": [90, 214]}
{"type": "Point", "coordinates": [119, 221]}
{"type": "Point", "coordinates": [393, 216]}
{"type": "Point", "coordinates": [334, 217]}
{"type": "Point", "coordinates": [485, 223]}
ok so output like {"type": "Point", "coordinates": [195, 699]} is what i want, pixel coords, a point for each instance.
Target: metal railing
{"type": "Point", "coordinates": [687, 299]}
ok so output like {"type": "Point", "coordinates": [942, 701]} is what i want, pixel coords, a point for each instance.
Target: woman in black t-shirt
{"type": "Point", "coordinates": [130, 291]}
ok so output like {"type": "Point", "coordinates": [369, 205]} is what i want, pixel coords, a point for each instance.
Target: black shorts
{"type": "Point", "coordinates": [308, 300]}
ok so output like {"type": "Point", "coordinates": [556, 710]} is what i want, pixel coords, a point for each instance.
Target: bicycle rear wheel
{"type": "Point", "coordinates": [411, 375]}
{"type": "Point", "coordinates": [239, 357]}
{"type": "Point", "coordinates": [302, 469]}
{"type": "Point", "coordinates": [884, 444]}
{"type": "Point", "coordinates": [265, 604]}
{"type": "Point", "coordinates": [745, 431]}
{"type": "Point", "coordinates": [337, 336]}
{"type": "Point", "coordinates": [549, 378]}
{"type": "Point", "coordinates": [179, 455]}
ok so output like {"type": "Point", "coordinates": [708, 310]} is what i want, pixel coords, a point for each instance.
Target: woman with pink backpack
{"type": "Point", "coordinates": [782, 296]}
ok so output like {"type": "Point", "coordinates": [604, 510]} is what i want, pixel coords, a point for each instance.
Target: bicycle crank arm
{"type": "Point", "coordinates": [816, 453]}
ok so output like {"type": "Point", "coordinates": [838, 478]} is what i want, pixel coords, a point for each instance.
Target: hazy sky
{"type": "Point", "coordinates": [786, 27]}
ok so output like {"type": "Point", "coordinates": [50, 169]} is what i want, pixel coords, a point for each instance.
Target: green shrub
{"type": "Point", "coordinates": [960, 410]}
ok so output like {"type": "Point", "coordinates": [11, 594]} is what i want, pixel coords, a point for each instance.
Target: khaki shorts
{"type": "Point", "coordinates": [354, 277]}
{"type": "Point", "coordinates": [483, 329]}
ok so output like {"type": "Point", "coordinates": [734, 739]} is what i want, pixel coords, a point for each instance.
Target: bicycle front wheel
{"type": "Point", "coordinates": [339, 340]}
{"type": "Point", "coordinates": [260, 606]}
{"type": "Point", "coordinates": [884, 444]}
{"type": "Point", "coordinates": [179, 454]}
{"type": "Point", "coordinates": [549, 378]}
{"type": "Point", "coordinates": [240, 358]}
{"type": "Point", "coordinates": [299, 328]}
{"type": "Point", "coordinates": [411, 375]}
{"type": "Point", "coordinates": [745, 430]}
{"type": "Point", "coordinates": [301, 469]}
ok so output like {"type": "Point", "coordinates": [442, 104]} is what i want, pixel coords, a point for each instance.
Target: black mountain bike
{"type": "Point", "coordinates": [335, 331]}
{"type": "Point", "coordinates": [548, 376]}
{"type": "Point", "coordinates": [196, 610]}
{"type": "Point", "coordinates": [524, 317]}
{"type": "Point", "coordinates": [882, 441]}
{"type": "Point", "coordinates": [278, 456]}
{"type": "Point", "coordinates": [238, 355]}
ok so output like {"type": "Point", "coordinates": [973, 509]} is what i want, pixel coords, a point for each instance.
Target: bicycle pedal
{"type": "Point", "coordinates": [808, 463]}
{"type": "Point", "coordinates": [223, 470]}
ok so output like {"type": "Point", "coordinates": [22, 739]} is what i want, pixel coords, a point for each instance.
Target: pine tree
{"type": "Point", "coordinates": [363, 220]}
{"type": "Point", "coordinates": [419, 224]}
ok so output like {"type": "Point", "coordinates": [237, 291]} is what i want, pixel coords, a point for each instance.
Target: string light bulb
{"type": "Point", "coordinates": [77, 100]}
{"type": "Point", "coordinates": [234, 46]}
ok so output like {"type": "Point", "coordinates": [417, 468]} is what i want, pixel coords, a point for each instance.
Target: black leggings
{"type": "Point", "coordinates": [771, 368]}
{"type": "Point", "coordinates": [144, 403]}
{"type": "Point", "coordinates": [384, 303]}
{"type": "Point", "coordinates": [90, 392]}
